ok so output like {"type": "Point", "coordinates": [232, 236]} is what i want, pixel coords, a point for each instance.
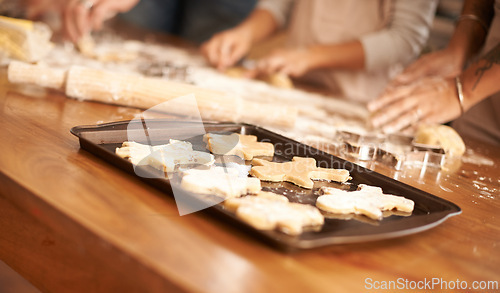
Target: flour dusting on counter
{"type": "Point", "coordinates": [319, 117]}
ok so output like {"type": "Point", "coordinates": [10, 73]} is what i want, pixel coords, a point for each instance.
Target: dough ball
{"type": "Point", "coordinates": [443, 136]}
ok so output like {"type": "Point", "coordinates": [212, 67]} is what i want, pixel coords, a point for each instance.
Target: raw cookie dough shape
{"type": "Point", "coordinates": [275, 79]}
{"type": "Point", "coordinates": [243, 146]}
{"type": "Point", "coordinates": [443, 136]}
{"type": "Point", "coordinates": [367, 200]}
{"type": "Point", "coordinates": [299, 171]}
{"type": "Point", "coordinates": [166, 157]}
{"type": "Point", "coordinates": [232, 204]}
{"type": "Point", "coordinates": [220, 181]}
{"type": "Point", "coordinates": [269, 212]}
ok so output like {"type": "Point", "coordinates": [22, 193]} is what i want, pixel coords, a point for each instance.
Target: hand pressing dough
{"type": "Point", "coordinates": [86, 45]}
{"type": "Point", "coordinates": [236, 72]}
{"type": "Point", "coordinates": [243, 146]}
{"type": "Point", "coordinates": [275, 79]}
{"type": "Point", "coordinates": [367, 200]}
{"type": "Point", "coordinates": [268, 212]}
{"type": "Point", "coordinates": [299, 171]}
{"type": "Point", "coordinates": [443, 136]}
{"type": "Point", "coordinates": [166, 157]}
{"type": "Point", "coordinates": [220, 181]}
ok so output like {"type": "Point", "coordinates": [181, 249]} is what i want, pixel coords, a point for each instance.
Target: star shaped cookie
{"type": "Point", "coordinates": [367, 200]}
{"type": "Point", "coordinates": [220, 181]}
{"type": "Point", "coordinates": [166, 157]}
{"type": "Point", "coordinates": [300, 171]}
{"type": "Point", "coordinates": [268, 211]}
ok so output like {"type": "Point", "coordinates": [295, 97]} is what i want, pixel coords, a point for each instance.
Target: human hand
{"type": "Point", "coordinates": [226, 48]}
{"type": "Point", "coordinates": [431, 100]}
{"type": "Point", "coordinates": [81, 16]}
{"type": "Point", "coordinates": [444, 63]}
{"type": "Point", "coordinates": [291, 62]}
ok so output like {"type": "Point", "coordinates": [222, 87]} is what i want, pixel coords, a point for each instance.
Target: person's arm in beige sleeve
{"type": "Point", "coordinates": [466, 41]}
{"type": "Point", "coordinates": [226, 48]}
{"type": "Point", "coordinates": [400, 42]}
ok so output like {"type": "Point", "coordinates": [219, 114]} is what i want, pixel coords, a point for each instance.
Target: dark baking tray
{"type": "Point", "coordinates": [101, 140]}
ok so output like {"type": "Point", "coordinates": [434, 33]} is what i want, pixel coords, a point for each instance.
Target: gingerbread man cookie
{"type": "Point", "coordinates": [268, 212]}
{"type": "Point", "coordinates": [367, 200]}
{"type": "Point", "coordinates": [166, 157]}
{"type": "Point", "coordinates": [299, 171]}
{"type": "Point", "coordinates": [220, 181]}
{"type": "Point", "coordinates": [243, 146]}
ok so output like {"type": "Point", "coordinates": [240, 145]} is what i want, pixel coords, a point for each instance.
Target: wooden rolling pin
{"type": "Point", "coordinates": [142, 92]}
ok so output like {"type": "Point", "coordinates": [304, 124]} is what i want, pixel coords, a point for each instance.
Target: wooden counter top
{"type": "Point", "coordinates": [70, 222]}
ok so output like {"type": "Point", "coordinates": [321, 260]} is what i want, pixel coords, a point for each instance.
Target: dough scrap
{"type": "Point", "coordinates": [220, 181]}
{"type": "Point", "coordinates": [243, 146]}
{"type": "Point", "coordinates": [167, 157]}
{"type": "Point", "coordinates": [367, 200]}
{"type": "Point", "coordinates": [268, 212]}
{"type": "Point", "coordinates": [443, 136]}
{"type": "Point", "coordinates": [299, 171]}
{"type": "Point", "coordinates": [279, 80]}
{"type": "Point", "coordinates": [86, 45]}
{"type": "Point", "coordinates": [262, 197]}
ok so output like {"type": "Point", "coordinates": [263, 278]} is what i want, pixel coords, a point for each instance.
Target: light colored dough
{"type": "Point", "coordinates": [367, 200]}
{"type": "Point", "coordinates": [299, 171]}
{"type": "Point", "coordinates": [443, 136]}
{"type": "Point", "coordinates": [243, 146]}
{"type": "Point", "coordinates": [268, 212]}
{"type": "Point", "coordinates": [236, 72]}
{"type": "Point", "coordinates": [219, 181]}
{"type": "Point", "coordinates": [167, 157]}
{"type": "Point", "coordinates": [262, 197]}
{"type": "Point", "coordinates": [278, 80]}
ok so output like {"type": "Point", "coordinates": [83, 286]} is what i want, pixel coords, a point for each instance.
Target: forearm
{"type": "Point", "coordinates": [470, 34]}
{"type": "Point", "coordinates": [404, 36]}
{"type": "Point", "coordinates": [481, 80]}
{"type": "Point", "coordinates": [259, 25]}
{"type": "Point", "coordinates": [348, 55]}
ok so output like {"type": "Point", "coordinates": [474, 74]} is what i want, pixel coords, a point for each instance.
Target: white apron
{"type": "Point", "coordinates": [337, 21]}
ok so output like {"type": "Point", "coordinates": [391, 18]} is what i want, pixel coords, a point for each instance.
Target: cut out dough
{"type": "Point", "coordinates": [268, 212]}
{"type": "Point", "coordinates": [243, 146]}
{"type": "Point", "coordinates": [443, 136]}
{"type": "Point", "coordinates": [262, 197]}
{"type": "Point", "coordinates": [367, 200]}
{"type": "Point", "coordinates": [167, 157]}
{"type": "Point", "coordinates": [299, 171]}
{"type": "Point", "coordinates": [219, 181]}
{"type": "Point", "coordinates": [276, 79]}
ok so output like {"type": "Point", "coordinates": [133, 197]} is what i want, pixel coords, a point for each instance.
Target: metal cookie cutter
{"type": "Point", "coordinates": [360, 146]}
{"type": "Point", "coordinates": [426, 155]}
{"type": "Point", "coordinates": [166, 70]}
{"type": "Point", "coordinates": [393, 150]}
{"type": "Point", "coordinates": [401, 151]}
